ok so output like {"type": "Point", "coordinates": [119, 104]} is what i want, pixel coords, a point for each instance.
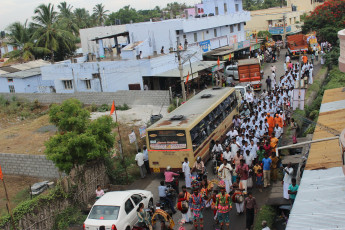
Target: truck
{"type": "Point", "coordinates": [249, 72]}
{"type": "Point", "coordinates": [297, 44]}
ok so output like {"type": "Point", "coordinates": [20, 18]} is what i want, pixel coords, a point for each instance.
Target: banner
{"type": "Point", "coordinates": [142, 131]}
{"type": "Point", "coordinates": [132, 137]}
{"type": "Point", "coordinates": [205, 45]}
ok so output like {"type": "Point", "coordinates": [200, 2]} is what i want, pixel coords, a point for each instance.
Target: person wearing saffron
{"type": "Point", "coordinates": [223, 205]}
{"type": "Point", "coordinates": [271, 123]}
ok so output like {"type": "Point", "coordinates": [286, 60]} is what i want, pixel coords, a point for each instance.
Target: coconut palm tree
{"type": "Point", "coordinates": [66, 18]}
{"type": "Point", "coordinates": [65, 10]}
{"type": "Point", "coordinates": [21, 38]}
{"type": "Point", "coordinates": [50, 34]}
{"type": "Point", "coordinates": [100, 13]}
{"type": "Point", "coordinates": [83, 18]}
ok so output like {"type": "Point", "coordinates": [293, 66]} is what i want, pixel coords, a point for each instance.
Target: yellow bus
{"type": "Point", "coordinates": [189, 129]}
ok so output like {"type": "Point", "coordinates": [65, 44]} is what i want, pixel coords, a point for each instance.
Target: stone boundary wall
{"type": "Point", "coordinates": [129, 97]}
{"type": "Point", "coordinates": [28, 165]}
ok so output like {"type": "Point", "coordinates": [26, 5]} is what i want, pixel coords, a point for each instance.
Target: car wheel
{"type": "Point", "coordinates": [150, 205]}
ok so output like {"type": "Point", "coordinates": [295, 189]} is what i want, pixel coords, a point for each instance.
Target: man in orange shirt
{"type": "Point", "coordinates": [279, 120]}
{"type": "Point", "coordinates": [305, 59]}
{"type": "Point", "coordinates": [271, 123]}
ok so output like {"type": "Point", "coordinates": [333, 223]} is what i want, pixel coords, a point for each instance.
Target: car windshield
{"type": "Point", "coordinates": [99, 212]}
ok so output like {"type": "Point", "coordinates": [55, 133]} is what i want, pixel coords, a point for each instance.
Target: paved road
{"type": "Point", "coordinates": [236, 222]}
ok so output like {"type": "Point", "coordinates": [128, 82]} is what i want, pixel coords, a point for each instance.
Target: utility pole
{"type": "Point", "coordinates": [180, 67]}
{"type": "Point", "coordinates": [284, 32]}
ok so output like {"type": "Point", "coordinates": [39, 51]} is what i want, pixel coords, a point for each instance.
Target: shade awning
{"type": "Point", "coordinates": [196, 67]}
{"type": "Point", "coordinates": [125, 33]}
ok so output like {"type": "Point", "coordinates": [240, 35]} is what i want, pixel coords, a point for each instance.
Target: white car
{"type": "Point", "coordinates": [117, 210]}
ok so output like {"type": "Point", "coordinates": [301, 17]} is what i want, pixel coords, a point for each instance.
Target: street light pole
{"type": "Point", "coordinates": [180, 67]}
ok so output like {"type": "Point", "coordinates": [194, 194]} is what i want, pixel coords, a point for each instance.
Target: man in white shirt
{"type": "Point", "coordinates": [217, 147]}
{"type": "Point", "coordinates": [278, 131]}
{"type": "Point", "coordinates": [225, 174]}
{"type": "Point", "coordinates": [227, 154]}
{"type": "Point", "coordinates": [186, 171]}
{"type": "Point", "coordinates": [234, 148]}
{"type": "Point", "coordinates": [288, 170]}
{"type": "Point", "coordinates": [248, 158]}
{"type": "Point", "coordinates": [232, 133]}
{"type": "Point", "coordinates": [139, 158]}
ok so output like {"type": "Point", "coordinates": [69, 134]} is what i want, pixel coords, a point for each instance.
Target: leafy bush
{"type": "Point", "coordinates": [104, 108]}
{"type": "Point", "coordinates": [264, 34]}
{"type": "Point", "coordinates": [71, 215]}
{"type": "Point", "coordinates": [266, 213]}
{"type": "Point", "coordinates": [92, 108]}
{"type": "Point", "coordinates": [123, 107]}
{"type": "Point", "coordinates": [171, 108]}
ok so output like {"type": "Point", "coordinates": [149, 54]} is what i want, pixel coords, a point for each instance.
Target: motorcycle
{"type": "Point", "coordinates": [216, 161]}
{"type": "Point", "coordinates": [171, 194]}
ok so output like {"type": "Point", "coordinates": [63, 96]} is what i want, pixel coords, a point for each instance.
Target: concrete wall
{"type": "Point", "coordinates": [341, 36]}
{"type": "Point", "coordinates": [28, 165]}
{"type": "Point", "coordinates": [304, 5]}
{"type": "Point", "coordinates": [210, 6]}
{"type": "Point", "coordinates": [137, 97]}
{"type": "Point", "coordinates": [33, 84]}
{"type": "Point", "coordinates": [86, 35]}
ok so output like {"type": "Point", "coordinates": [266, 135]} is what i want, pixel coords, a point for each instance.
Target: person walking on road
{"type": "Point", "coordinates": [146, 160]}
{"type": "Point", "coordinates": [288, 170]}
{"type": "Point", "coordinates": [197, 204]}
{"type": "Point", "coordinates": [225, 174]}
{"type": "Point", "coordinates": [242, 170]}
{"type": "Point", "coordinates": [250, 208]}
{"type": "Point", "coordinates": [186, 171]}
{"type": "Point", "coordinates": [223, 206]}
{"type": "Point", "coordinates": [267, 170]}
{"type": "Point", "coordinates": [238, 187]}
{"type": "Point", "coordinates": [139, 158]}
{"type": "Point", "coordinates": [268, 83]}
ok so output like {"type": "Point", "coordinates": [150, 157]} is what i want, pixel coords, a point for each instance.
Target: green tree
{"type": "Point", "coordinates": [79, 140]}
{"type": "Point", "coordinates": [83, 18]}
{"type": "Point", "coordinates": [20, 37]}
{"type": "Point", "coordinates": [50, 34]}
{"type": "Point", "coordinates": [66, 18]}
{"type": "Point", "coordinates": [100, 13]}
{"type": "Point", "coordinates": [125, 14]}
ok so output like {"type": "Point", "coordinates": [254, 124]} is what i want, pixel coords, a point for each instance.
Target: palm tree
{"type": "Point", "coordinates": [83, 18]}
{"type": "Point", "coordinates": [65, 10]}
{"type": "Point", "coordinates": [100, 13]}
{"type": "Point", "coordinates": [49, 33]}
{"type": "Point", "coordinates": [20, 37]}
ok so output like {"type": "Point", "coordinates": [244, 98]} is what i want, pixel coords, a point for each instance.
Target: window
{"type": "Point", "coordinates": [68, 84]}
{"type": "Point", "coordinates": [11, 87]}
{"type": "Point", "coordinates": [217, 12]}
{"type": "Point", "coordinates": [195, 37]}
{"type": "Point", "coordinates": [236, 7]}
{"type": "Point", "coordinates": [88, 84]}
{"type": "Point", "coordinates": [210, 122]}
{"type": "Point", "coordinates": [239, 26]}
{"type": "Point", "coordinates": [225, 8]}
{"type": "Point", "coordinates": [290, 21]}
{"type": "Point", "coordinates": [215, 32]}
{"type": "Point", "coordinates": [99, 212]}
{"type": "Point", "coordinates": [129, 206]}
{"type": "Point", "coordinates": [9, 79]}
{"type": "Point", "coordinates": [231, 28]}
{"type": "Point", "coordinates": [177, 32]}
{"type": "Point", "coordinates": [136, 199]}
{"type": "Point", "coordinates": [96, 75]}
{"type": "Point", "coordinates": [167, 139]}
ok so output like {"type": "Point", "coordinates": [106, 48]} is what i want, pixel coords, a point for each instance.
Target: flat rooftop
{"type": "Point", "coordinates": [326, 154]}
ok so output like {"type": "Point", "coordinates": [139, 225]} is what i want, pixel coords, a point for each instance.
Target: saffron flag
{"type": "Point", "coordinates": [1, 176]}
{"type": "Point", "coordinates": [187, 78]}
{"type": "Point", "coordinates": [229, 56]}
{"type": "Point", "coordinates": [218, 62]}
{"type": "Point", "coordinates": [267, 38]}
{"type": "Point", "coordinates": [112, 108]}
{"type": "Point", "coordinates": [256, 40]}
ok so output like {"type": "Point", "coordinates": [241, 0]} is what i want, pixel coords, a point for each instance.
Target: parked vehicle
{"type": "Point", "coordinates": [231, 71]}
{"type": "Point", "coordinates": [117, 210]}
{"type": "Point", "coordinates": [312, 42]}
{"type": "Point", "coordinates": [297, 44]}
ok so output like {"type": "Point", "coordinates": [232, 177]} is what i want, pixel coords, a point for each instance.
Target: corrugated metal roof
{"type": "Point", "coordinates": [31, 64]}
{"type": "Point", "coordinates": [23, 74]}
{"type": "Point", "coordinates": [9, 69]}
{"type": "Point", "coordinates": [196, 67]}
{"type": "Point", "coordinates": [320, 201]}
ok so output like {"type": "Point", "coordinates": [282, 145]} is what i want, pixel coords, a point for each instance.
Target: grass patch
{"type": "Point", "coordinates": [266, 213]}
{"type": "Point", "coordinates": [21, 196]}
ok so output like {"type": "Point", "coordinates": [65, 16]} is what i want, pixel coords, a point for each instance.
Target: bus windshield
{"type": "Point", "coordinates": [167, 139]}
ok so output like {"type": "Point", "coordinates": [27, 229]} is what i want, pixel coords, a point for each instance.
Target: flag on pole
{"type": "Point", "coordinates": [267, 38]}
{"type": "Point", "coordinates": [229, 56]}
{"type": "Point", "coordinates": [218, 62]}
{"type": "Point", "coordinates": [256, 40]}
{"type": "Point", "coordinates": [187, 78]}
{"type": "Point", "coordinates": [112, 108]}
{"type": "Point", "coordinates": [1, 176]}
